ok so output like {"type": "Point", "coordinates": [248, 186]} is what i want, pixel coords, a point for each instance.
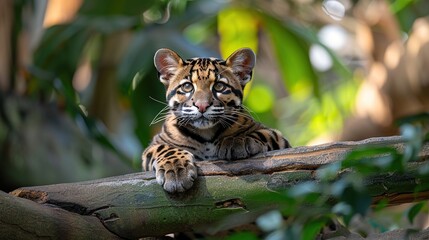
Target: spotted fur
{"type": "Point", "coordinates": [206, 120]}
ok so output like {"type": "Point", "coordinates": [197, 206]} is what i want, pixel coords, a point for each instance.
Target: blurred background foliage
{"type": "Point", "coordinates": [78, 88]}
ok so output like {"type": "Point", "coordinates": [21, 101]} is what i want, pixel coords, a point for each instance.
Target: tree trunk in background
{"type": "Point", "coordinates": [397, 82]}
{"type": "Point", "coordinates": [6, 22]}
{"type": "Point", "coordinates": [19, 34]}
{"type": "Point", "coordinates": [105, 102]}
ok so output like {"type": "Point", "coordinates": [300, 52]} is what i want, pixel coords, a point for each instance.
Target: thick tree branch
{"type": "Point", "coordinates": [134, 205]}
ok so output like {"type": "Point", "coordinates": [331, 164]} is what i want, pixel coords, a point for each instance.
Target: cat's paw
{"type": "Point", "coordinates": [176, 173]}
{"type": "Point", "coordinates": [240, 147]}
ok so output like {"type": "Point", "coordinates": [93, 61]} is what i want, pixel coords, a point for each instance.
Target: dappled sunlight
{"type": "Point", "coordinates": [418, 55]}
{"type": "Point", "coordinates": [393, 54]}
{"type": "Point", "coordinates": [333, 36]}
{"type": "Point", "coordinates": [320, 58]}
{"type": "Point", "coordinates": [322, 139]}
{"type": "Point", "coordinates": [372, 103]}
{"type": "Point", "coordinates": [393, 87]}
{"type": "Point", "coordinates": [260, 99]}
{"type": "Point", "coordinates": [378, 75]}
{"type": "Point", "coordinates": [59, 11]}
{"type": "Point", "coordinates": [420, 36]}
{"type": "Point", "coordinates": [319, 120]}
{"type": "Point", "coordinates": [82, 76]}
{"type": "Point", "coordinates": [237, 28]}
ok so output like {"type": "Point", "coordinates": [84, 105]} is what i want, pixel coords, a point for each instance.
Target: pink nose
{"type": "Point", "coordinates": [202, 106]}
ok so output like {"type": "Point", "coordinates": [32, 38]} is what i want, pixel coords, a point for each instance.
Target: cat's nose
{"type": "Point", "coordinates": [202, 106]}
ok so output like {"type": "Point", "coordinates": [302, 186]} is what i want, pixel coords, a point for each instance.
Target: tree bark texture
{"type": "Point", "coordinates": [134, 205]}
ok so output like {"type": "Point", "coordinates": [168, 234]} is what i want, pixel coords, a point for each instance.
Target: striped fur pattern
{"type": "Point", "coordinates": [206, 120]}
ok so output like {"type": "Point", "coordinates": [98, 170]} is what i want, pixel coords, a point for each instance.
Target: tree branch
{"type": "Point", "coordinates": [134, 205]}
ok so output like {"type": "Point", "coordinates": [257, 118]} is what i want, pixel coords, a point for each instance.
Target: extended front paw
{"type": "Point", "coordinates": [240, 147]}
{"type": "Point", "coordinates": [177, 173]}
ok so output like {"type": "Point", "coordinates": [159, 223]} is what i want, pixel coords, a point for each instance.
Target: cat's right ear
{"type": "Point", "coordinates": [166, 62]}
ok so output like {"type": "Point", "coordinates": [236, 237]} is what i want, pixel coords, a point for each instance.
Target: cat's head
{"type": "Point", "coordinates": [202, 92]}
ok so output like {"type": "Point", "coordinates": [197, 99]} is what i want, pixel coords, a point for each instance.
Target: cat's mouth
{"type": "Point", "coordinates": [203, 122]}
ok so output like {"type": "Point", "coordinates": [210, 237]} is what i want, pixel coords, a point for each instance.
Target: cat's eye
{"type": "Point", "coordinates": [187, 87]}
{"type": "Point", "coordinates": [219, 86]}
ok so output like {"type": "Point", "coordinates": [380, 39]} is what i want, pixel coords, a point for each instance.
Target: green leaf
{"type": "Point", "coordinates": [61, 48]}
{"type": "Point", "coordinates": [304, 189]}
{"type": "Point", "coordinates": [337, 188]}
{"type": "Point", "coordinates": [293, 231]}
{"type": "Point", "coordinates": [398, 5]}
{"type": "Point", "coordinates": [424, 170]}
{"type": "Point", "coordinates": [414, 210]}
{"type": "Point", "coordinates": [419, 118]}
{"type": "Point", "coordinates": [372, 159]}
{"type": "Point", "coordinates": [312, 229]}
{"type": "Point", "coordinates": [328, 172]}
{"type": "Point", "coordinates": [243, 236]}
{"type": "Point", "coordinates": [97, 132]}
{"type": "Point", "coordinates": [310, 36]}
{"type": "Point", "coordinates": [413, 137]}
{"type": "Point", "coordinates": [292, 53]}
{"type": "Point", "coordinates": [107, 25]}
{"type": "Point", "coordinates": [237, 28]}
{"type": "Point", "coordinates": [342, 208]}
{"type": "Point", "coordinates": [382, 204]}
{"type": "Point", "coordinates": [260, 98]}
{"type": "Point", "coordinates": [358, 200]}
{"type": "Point", "coordinates": [114, 8]}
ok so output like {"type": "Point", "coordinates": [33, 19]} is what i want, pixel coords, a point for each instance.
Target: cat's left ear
{"type": "Point", "coordinates": [242, 62]}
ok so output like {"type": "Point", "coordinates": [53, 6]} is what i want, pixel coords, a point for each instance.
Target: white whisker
{"type": "Point", "coordinates": [250, 112]}
{"type": "Point", "coordinates": [158, 101]}
{"type": "Point", "coordinates": [161, 116]}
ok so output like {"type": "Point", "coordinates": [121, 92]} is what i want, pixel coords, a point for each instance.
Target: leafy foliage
{"type": "Point", "coordinates": [311, 206]}
{"type": "Point", "coordinates": [167, 23]}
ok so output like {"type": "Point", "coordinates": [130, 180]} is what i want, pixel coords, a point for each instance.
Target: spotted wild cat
{"type": "Point", "coordinates": [206, 119]}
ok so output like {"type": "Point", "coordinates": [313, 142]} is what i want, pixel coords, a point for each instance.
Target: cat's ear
{"type": "Point", "coordinates": [166, 62]}
{"type": "Point", "coordinates": [242, 62]}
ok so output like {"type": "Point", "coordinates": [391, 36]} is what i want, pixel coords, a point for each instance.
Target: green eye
{"type": "Point", "coordinates": [219, 86]}
{"type": "Point", "coordinates": [187, 87]}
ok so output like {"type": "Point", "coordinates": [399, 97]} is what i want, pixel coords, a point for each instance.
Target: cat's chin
{"type": "Point", "coordinates": [203, 123]}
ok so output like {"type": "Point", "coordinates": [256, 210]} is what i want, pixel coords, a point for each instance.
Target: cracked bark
{"type": "Point", "coordinates": [134, 205]}
{"type": "Point", "coordinates": [24, 219]}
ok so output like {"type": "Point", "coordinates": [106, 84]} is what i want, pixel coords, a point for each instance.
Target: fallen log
{"type": "Point", "coordinates": [134, 205]}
